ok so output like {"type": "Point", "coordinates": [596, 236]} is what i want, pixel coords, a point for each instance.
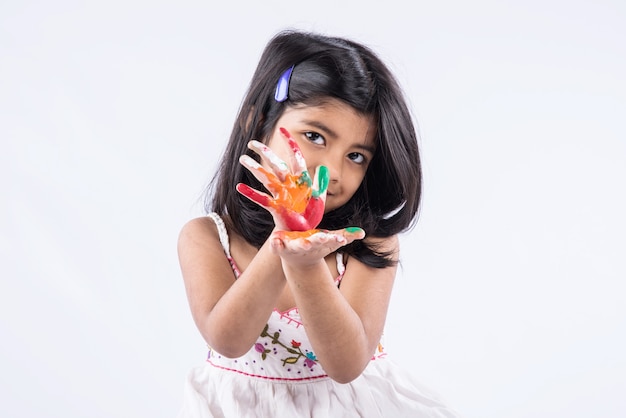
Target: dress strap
{"type": "Point", "coordinates": [223, 233]}
{"type": "Point", "coordinates": [341, 267]}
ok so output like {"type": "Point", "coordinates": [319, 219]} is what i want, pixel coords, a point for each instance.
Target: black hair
{"type": "Point", "coordinates": [387, 201]}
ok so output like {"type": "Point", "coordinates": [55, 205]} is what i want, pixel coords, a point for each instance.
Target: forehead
{"type": "Point", "coordinates": [335, 119]}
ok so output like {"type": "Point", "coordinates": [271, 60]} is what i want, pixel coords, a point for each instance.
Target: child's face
{"type": "Point", "coordinates": [332, 134]}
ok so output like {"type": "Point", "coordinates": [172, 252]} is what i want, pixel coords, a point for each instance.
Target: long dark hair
{"type": "Point", "coordinates": [387, 202]}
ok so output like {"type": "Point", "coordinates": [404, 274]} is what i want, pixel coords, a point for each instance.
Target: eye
{"type": "Point", "coordinates": [315, 138]}
{"type": "Point", "coordinates": [357, 157]}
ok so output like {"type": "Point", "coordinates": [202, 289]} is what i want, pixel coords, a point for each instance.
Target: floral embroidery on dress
{"type": "Point", "coordinates": [294, 349]}
{"type": "Point", "coordinates": [310, 359]}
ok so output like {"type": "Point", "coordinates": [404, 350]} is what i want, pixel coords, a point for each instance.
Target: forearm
{"type": "Point", "coordinates": [336, 332]}
{"type": "Point", "coordinates": [237, 319]}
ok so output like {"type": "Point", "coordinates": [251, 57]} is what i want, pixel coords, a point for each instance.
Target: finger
{"type": "Point", "coordinates": [320, 182]}
{"type": "Point", "coordinates": [317, 245]}
{"type": "Point", "coordinates": [314, 212]}
{"type": "Point", "coordinates": [298, 164]}
{"type": "Point", "coordinates": [277, 245]}
{"type": "Point", "coordinates": [313, 244]}
{"type": "Point", "coordinates": [257, 197]}
{"type": "Point", "coordinates": [285, 242]}
{"type": "Point", "coordinates": [258, 170]}
{"type": "Point", "coordinates": [331, 241]}
{"type": "Point", "coordinates": [341, 236]}
{"type": "Point", "coordinates": [316, 236]}
{"type": "Point", "coordinates": [294, 221]}
{"type": "Point", "coordinates": [279, 167]}
{"type": "Point", "coordinates": [327, 237]}
{"type": "Point", "coordinates": [352, 233]}
{"type": "Point", "coordinates": [284, 219]}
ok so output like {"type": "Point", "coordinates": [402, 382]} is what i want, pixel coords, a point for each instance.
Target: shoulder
{"type": "Point", "coordinates": [199, 238]}
{"type": "Point", "coordinates": [197, 231]}
{"type": "Point", "coordinates": [201, 254]}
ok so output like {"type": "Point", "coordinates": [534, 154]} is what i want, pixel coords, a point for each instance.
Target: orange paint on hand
{"type": "Point", "coordinates": [293, 202]}
{"type": "Point", "coordinates": [292, 194]}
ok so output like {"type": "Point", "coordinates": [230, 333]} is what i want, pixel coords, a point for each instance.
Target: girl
{"type": "Point", "coordinates": [293, 315]}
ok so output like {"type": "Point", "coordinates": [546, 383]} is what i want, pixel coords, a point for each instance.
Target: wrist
{"type": "Point", "coordinates": [304, 268]}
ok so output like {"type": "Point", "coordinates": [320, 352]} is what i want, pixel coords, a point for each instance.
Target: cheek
{"type": "Point", "coordinates": [354, 186]}
{"type": "Point", "coordinates": [357, 179]}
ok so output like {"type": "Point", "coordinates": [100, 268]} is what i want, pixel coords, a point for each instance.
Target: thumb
{"type": "Point", "coordinates": [320, 182]}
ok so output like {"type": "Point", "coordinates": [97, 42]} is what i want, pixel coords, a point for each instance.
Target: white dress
{"type": "Point", "coordinates": [280, 377]}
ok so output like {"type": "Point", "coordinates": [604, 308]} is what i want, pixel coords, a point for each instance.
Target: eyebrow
{"type": "Point", "coordinates": [329, 132]}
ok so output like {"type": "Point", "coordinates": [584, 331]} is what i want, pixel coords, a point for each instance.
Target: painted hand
{"type": "Point", "coordinates": [296, 202]}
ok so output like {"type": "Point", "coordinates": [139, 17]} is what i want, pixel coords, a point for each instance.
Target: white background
{"type": "Point", "coordinates": [510, 301]}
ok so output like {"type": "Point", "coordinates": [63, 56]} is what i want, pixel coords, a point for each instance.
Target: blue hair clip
{"type": "Point", "coordinates": [282, 87]}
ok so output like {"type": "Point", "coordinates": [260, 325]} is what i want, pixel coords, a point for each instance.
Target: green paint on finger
{"type": "Point", "coordinates": [323, 179]}
{"type": "Point", "coordinates": [354, 229]}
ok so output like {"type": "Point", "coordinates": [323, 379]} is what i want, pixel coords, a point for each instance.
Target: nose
{"type": "Point", "coordinates": [335, 168]}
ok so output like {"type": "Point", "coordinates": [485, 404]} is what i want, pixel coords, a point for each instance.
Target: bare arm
{"type": "Point", "coordinates": [230, 314]}
{"type": "Point", "coordinates": [345, 326]}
